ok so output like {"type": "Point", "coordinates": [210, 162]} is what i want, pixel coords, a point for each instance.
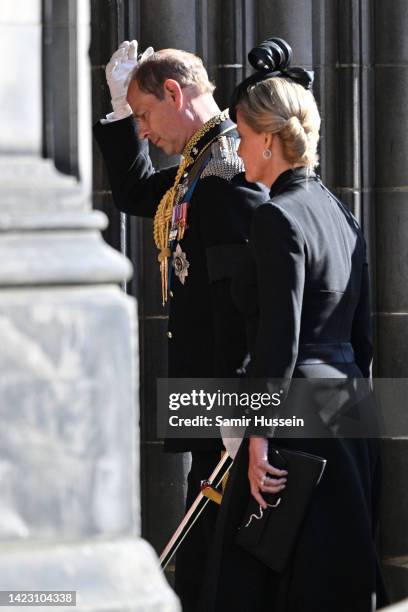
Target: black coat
{"type": "Point", "coordinates": [207, 331]}
{"type": "Point", "coordinates": [305, 283]}
{"type": "Point", "coordinates": [304, 292]}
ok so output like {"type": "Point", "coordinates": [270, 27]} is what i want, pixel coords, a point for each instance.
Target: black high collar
{"type": "Point", "coordinates": [293, 175]}
{"type": "Point", "coordinates": [209, 136]}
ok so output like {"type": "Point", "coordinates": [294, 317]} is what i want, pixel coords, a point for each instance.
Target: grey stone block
{"type": "Point", "coordinates": [391, 113]}
{"type": "Point", "coordinates": [32, 185]}
{"type": "Point", "coordinates": [68, 391]}
{"type": "Point", "coordinates": [394, 501]}
{"type": "Point", "coordinates": [392, 251]}
{"type": "Point", "coordinates": [66, 257]}
{"type": "Point", "coordinates": [391, 23]}
{"type": "Point", "coordinates": [392, 346]}
{"type": "Point", "coordinates": [118, 576]}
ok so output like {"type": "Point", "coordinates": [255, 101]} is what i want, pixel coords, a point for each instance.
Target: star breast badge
{"type": "Point", "coordinates": [180, 264]}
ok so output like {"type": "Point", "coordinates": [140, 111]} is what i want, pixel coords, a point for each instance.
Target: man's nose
{"type": "Point", "coordinates": [143, 129]}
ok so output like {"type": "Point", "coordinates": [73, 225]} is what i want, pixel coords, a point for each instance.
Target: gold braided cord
{"type": "Point", "coordinates": [161, 228]}
{"type": "Point", "coordinates": [164, 212]}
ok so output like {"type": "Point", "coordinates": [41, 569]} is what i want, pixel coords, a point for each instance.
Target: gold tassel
{"type": "Point", "coordinates": [164, 212]}
{"type": "Point", "coordinates": [161, 227]}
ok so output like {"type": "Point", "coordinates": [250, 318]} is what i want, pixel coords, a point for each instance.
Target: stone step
{"type": "Point", "coordinates": [396, 578]}
{"type": "Point", "coordinates": [394, 499]}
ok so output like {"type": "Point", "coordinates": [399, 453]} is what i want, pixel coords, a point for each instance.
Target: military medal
{"type": "Point", "coordinates": [180, 264]}
{"type": "Point", "coordinates": [181, 219]}
{"type": "Point", "coordinates": [178, 222]}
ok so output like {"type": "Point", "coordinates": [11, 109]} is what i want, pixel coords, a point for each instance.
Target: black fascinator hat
{"type": "Point", "coordinates": [271, 58]}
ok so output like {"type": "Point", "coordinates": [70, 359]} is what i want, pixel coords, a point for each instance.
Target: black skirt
{"type": "Point", "coordinates": [334, 565]}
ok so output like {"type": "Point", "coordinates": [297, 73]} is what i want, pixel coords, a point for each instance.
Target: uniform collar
{"type": "Point", "coordinates": [217, 125]}
{"type": "Point", "coordinates": [293, 175]}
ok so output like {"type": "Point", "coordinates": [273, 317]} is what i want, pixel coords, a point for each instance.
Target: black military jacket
{"type": "Point", "coordinates": [206, 332]}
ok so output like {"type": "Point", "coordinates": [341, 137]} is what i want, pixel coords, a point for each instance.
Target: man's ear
{"type": "Point", "coordinates": [173, 92]}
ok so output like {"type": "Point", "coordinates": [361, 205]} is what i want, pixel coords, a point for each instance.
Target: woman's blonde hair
{"type": "Point", "coordinates": [280, 106]}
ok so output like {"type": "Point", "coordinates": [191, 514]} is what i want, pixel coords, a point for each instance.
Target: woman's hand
{"type": "Point", "coordinates": [260, 471]}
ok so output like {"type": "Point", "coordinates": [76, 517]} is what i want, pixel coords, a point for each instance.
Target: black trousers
{"type": "Point", "coordinates": [191, 558]}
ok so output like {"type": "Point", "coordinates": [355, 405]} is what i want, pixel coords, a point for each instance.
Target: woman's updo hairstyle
{"type": "Point", "coordinates": [278, 99]}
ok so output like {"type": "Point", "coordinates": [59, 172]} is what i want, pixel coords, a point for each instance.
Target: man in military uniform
{"type": "Point", "coordinates": [202, 212]}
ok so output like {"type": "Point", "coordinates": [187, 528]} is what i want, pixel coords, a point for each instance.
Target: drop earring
{"type": "Point", "coordinates": [267, 154]}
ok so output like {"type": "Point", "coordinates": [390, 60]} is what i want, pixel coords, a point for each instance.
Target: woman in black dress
{"type": "Point", "coordinates": [304, 292]}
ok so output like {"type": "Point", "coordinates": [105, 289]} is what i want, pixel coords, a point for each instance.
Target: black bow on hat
{"type": "Point", "coordinates": [271, 59]}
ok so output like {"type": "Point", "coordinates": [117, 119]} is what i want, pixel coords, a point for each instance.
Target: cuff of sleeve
{"type": "Point", "coordinates": [121, 134]}
{"type": "Point", "coordinates": [118, 114]}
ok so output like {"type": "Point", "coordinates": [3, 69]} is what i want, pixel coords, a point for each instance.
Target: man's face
{"type": "Point", "coordinates": [158, 120]}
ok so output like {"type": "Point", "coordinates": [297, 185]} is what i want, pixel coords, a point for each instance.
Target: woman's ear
{"type": "Point", "coordinates": [268, 140]}
{"type": "Point", "coordinates": [173, 92]}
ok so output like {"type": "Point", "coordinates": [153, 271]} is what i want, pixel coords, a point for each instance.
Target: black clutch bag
{"type": "Point", "coordinates": [270, 535]}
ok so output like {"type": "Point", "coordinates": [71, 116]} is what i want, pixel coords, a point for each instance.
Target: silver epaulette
{"type": "Point", "coordinates": [225, 161]}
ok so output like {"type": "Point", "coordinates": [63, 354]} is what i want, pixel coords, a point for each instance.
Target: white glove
{"type": "Point", "coordinates": [118, 73]}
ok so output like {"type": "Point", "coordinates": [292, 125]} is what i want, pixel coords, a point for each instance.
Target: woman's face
{"type": "Point", "coordinates": [251, 148]}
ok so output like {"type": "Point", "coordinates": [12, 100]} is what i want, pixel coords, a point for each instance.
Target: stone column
{"type": "Point", "coordinates": [171, 23]}
{"type": "Point", "coordinates": [69, 509]}
{"type": "Point", "coordinates": [391, 202]}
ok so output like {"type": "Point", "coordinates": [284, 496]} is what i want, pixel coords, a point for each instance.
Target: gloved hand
{"type": "Point", "coordinates": [118, 72]}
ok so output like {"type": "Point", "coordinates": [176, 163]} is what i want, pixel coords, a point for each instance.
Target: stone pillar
{"type": "Point", "coordinates": [391, 202]}
{"type": "Point", "coordinates": [20, 43]}
{"type": "Point", "coordinates": [69, 509]}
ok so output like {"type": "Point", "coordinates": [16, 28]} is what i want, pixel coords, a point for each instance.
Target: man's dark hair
{"type": "Point", "coordinates": [185, 68]}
